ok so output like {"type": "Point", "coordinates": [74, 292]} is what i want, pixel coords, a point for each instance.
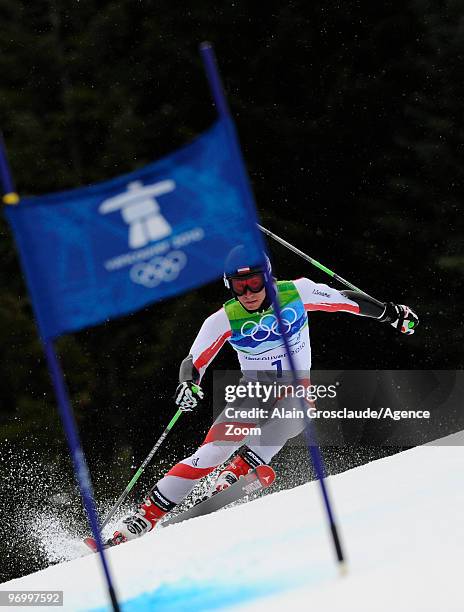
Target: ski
{"type": "Point", "coordinates": [260, 478]}
{"type": "Point", "coordinates": [91, 543]}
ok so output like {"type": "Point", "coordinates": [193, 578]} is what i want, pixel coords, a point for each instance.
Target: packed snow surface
{"type": "Point", "coordinates": [401, 521]}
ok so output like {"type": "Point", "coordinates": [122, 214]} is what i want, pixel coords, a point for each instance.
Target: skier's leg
{"type": "Point", "coordinates": [260, 449]}
{"type": "Point", "coordinates": [246, 460]}
{"type": "Point", "coordinates": [217, 447]}
{"type": "Point", "coordinates": [276, 432]}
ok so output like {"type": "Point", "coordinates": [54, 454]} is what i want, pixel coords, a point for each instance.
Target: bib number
{"type": "Point", "coordinates": [278, 365]}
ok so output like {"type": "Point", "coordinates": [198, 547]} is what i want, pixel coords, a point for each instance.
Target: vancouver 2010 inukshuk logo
{"type": "Point", "coordinates": [155, 256]}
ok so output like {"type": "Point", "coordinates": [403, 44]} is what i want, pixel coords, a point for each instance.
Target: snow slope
{"type": "Point", "coordinates": [401, 522]}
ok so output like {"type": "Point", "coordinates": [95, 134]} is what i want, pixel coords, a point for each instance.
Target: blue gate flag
{"type": "Point", "coordinates": [98, 252]}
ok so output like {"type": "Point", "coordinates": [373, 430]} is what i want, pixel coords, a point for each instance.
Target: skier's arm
{"type": "Point", "coordinates": [211, 337]}
{"type": "Point", "coordinates": [209, 341]}
{"type": "Point", "coordinates": [401, 317]}
{"type": "Point", "coordinates": [188, 372]}
{"type": "Point", "coordinates": [367, 306]}
{"type": "Point", "coordinates": [317, 296]}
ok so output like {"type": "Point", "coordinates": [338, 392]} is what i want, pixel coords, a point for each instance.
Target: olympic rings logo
{"type": "Point", "coordinates": [267, 325]}
{"type": "Point", "coordinates": [159, 269]}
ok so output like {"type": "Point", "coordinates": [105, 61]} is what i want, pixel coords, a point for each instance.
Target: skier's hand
{"type": "Point", "coordinates": [188, 396]}
{"type": "Point", "coordinates": [401, 317]}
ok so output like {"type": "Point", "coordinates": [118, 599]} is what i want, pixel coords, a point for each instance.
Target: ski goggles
{"type": "Point", "coordinates": [253, 282]}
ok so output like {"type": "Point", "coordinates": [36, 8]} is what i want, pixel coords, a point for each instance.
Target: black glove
{"type": "Point", "coordinates": [188, 396]}
{"type": "Point", "coordinates": [401, 317]}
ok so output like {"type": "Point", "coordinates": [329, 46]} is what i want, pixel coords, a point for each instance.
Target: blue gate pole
{"type": "Point", "coordinates": [81, 471]}
{"type": "Point", "coordinates": [218, 95]}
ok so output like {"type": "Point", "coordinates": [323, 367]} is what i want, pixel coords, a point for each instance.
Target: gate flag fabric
{"type": "Point", "coordinates": [98, 252]}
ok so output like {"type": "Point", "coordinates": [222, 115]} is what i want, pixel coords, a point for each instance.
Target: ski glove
{"type": "Point", "coordinates": [188, 396]}
{"type": "Point", "coordinates": [401, 317]}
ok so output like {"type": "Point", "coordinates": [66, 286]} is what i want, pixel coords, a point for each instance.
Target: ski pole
{"type": "Point", "coordinates": [139, 472]}
{"type": "Point", "coordinates": [317, 264]}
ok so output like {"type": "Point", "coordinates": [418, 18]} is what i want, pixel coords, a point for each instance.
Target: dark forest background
{"type": "Point", "coordinates": [351, 119]}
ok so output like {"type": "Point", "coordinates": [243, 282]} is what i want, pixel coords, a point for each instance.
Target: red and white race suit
{"type": "Point", "coordinates": [259, 345]}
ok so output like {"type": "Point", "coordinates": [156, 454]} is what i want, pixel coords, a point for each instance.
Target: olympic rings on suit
{"type": "Point", "coordinates": [267, 325]}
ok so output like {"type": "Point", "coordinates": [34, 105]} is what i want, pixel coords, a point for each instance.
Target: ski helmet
{"type": "Point", "coordinates": [237, 265]}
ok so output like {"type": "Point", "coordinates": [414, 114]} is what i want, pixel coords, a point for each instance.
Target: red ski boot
{"type": "Point", "coordinates": [144, 520]}
{"type": "Point", "coordinates": [244, 462]}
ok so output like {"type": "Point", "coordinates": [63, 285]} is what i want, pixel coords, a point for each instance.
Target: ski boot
{"type": "Point", "coordinates": [144, 520]}
{"type": "Point", "coordinates": [245, 461]}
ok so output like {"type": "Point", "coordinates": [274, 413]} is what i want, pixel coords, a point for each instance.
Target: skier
{"type": "Point", "coordinates": [248, 323]}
